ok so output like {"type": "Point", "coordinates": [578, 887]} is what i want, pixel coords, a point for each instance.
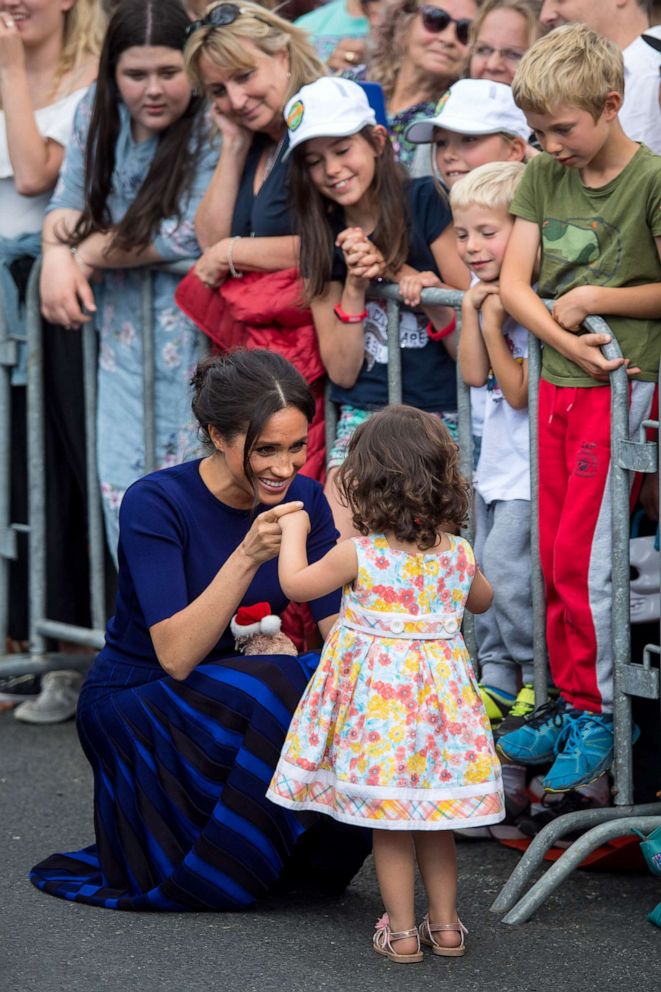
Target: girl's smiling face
{"type": "Point", "coordinates": [458, 154]}
{"type": "Point", "coordinates": [343, 169]}
{"type": "Point", "coordinates": [153, 84]}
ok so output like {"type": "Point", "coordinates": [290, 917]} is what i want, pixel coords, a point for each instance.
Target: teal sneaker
{"type": "Point", "coordinates": [584, 751]}
{"type": "Point", "coordinates": [534, 743]}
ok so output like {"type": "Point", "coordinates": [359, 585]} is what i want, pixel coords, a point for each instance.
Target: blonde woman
{"type": "Point", "coordinates": [250, 61]}
{"type": "Point", "coordinates": [48, 57]}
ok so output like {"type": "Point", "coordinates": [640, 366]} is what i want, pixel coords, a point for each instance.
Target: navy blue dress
{"type": "Point", "coordinates": [181, 768]}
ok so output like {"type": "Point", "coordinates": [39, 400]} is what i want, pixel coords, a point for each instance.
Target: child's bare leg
{"type": "Point", "coordinates": [341, 514]}
{"type": "Point", "coordinates": [437, 860]}
{"type": "Point", "coordinates": [394, 860]}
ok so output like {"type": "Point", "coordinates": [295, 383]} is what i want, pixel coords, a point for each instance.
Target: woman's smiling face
{"type": "Point", "coordinates": [276, 457]}
{"type": "Point", "coordinates": [254, 97]}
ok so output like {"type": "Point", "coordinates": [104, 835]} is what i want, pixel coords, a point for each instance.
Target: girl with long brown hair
{"type": "Point", "coordinates": [360, 218]}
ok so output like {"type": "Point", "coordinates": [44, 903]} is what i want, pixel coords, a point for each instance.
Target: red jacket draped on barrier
{"type": "Point", "coordinates": [264, 310]}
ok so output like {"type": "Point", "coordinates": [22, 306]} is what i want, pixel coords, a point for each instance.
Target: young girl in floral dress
{"type": "Point", "coordinates": [391, 732]}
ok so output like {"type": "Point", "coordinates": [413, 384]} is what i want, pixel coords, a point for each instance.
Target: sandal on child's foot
{"type": "Point", "coordinates": [382, 942]}
{"type": "Point", "coordinates": [428, 929]}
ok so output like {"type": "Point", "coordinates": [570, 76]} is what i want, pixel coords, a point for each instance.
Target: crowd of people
{"type": "Point", "coordinates": [506, 149]}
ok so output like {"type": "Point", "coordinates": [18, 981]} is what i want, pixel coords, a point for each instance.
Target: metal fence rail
{"type": "Point", "coordinates": [630, 679]}
{"type": "Point", "coordinates": [39, 660]}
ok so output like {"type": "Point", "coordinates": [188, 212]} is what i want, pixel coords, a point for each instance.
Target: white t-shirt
{"type": "Point", "coordinates": [640, 115]}
{"type": "Point", "coordinates": [503, 471]}
{"type": "Point", "coordinates": [25, 214]}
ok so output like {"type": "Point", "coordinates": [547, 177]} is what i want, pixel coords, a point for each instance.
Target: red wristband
{"type": "Point", "coordinates": [443, 332]}
{"type": "Point", "coordinates": [349, 318]}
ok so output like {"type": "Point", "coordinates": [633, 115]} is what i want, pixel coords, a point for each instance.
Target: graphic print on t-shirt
{"type": "Point", "coordinates": [412, 332]}
{"type": "Point", "coordinates": [586, 241]}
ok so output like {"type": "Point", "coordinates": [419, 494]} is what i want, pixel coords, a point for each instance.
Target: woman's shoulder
{"type": "Point", "coordinates": [167, 485]}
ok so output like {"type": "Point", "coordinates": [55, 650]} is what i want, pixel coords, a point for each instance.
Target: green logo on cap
{"type": "Point", "coordinates": [295, 115]}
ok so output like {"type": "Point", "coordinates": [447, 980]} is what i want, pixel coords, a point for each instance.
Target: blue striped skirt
{"type": "Point", "coordinates": [180, 775]}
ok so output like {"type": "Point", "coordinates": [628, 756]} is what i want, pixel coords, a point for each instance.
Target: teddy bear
{"type": "Point", "coordinates": [258, 631]}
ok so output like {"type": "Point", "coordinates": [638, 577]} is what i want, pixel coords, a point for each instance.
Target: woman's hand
{"type": "Point", "coordinates": [211, 267]}
{"type": "Point", "coordinates": [66, 295]}
{"type": "Point", "coordinates": [262, 542]}
{"type": "Point", "coordinates": [412, 284]}
{"type": "Point", "coordinates": [234, 136]}
{"type": "Point", "coordinates": [12, 53]}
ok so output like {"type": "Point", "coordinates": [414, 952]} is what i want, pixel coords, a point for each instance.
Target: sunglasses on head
{"type": "Point", "coordinates": [435, 20]}
{"type": "Point", "coordinates": [219, 17]}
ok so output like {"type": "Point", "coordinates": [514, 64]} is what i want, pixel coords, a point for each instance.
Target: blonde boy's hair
{"type": "Point", "coordinates": [268, 32]}
{"type": "Point", "coordinates": [491, 186]}
{"type": "Point", "coordinates": [572, 65]}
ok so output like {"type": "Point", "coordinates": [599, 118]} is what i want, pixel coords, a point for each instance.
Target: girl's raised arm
{"type": "Point", "coordinates": [302, 582]}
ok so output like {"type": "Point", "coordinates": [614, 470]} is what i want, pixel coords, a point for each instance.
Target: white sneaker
{"type": "Point", "coordinates": [57, 700]}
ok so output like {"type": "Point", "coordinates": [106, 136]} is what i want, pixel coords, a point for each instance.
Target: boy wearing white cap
{"type": "Point", "coordinates": [476, 122]}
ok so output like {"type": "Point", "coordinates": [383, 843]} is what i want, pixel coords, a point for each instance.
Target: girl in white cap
{"type": "Point", "coordinates": [360, 219]}
{"type": "Point", "coordinates": [476, 122]}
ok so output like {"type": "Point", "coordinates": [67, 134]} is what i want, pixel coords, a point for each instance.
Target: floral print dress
{"type": "Point", "coordinates": [178, 343]}
{"type": "Point", "coordinates": [391, 732]}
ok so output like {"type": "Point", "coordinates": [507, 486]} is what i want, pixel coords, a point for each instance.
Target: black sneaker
{"type": "Point", "coordinates": [550, 809]}
{"type": "Point", "coordinates": [16, 688]}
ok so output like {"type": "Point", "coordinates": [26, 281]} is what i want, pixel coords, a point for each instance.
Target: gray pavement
{"type": "Point", "coordinates": [591, 934]}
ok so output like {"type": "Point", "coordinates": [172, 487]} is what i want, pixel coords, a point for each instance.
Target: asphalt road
{"type": "Point", "coordinates": [590, 935]}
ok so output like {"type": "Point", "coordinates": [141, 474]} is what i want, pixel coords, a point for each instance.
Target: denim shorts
{"type": "Point", "coordinates": [351, 417]}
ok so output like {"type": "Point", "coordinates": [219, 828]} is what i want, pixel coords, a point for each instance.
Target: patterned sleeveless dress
{"type": "Point", "coordinates": [391, 732]}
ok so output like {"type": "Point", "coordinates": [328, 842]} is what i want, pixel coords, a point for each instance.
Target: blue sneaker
{"type": "Point", "coordinates": [534, 743]}
{"type": "Point", "coordinates": [584, 749]}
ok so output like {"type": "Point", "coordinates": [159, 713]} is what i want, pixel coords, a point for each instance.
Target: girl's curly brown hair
{"type": "Point", "coordinates": [401, 475]}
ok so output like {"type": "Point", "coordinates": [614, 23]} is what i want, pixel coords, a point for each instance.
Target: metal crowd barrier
{"type": "Point", "coordinates": [41, 627]}
{"type": "Point", "coordinates": [630, 678]}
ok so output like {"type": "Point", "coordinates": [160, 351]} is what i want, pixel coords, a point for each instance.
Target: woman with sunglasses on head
{"type": "Point", "coordinates": [136, 168]}
{"type": "Point", "coordinates": [249, 62]}
{"type": "Point", "coordinates": [415, 53]}
{"type": "Point", "coordinates": [500, 36]}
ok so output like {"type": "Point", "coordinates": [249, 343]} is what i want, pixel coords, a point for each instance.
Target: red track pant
{"type": "Point", "coordinates": [575, 535]}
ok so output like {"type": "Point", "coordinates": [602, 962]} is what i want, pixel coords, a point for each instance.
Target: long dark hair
{"type": "Point", "coordinates": [238, 392]}
{"type": "Point", "coordinates": [313, 213]}
{"type": "Point", "coordinates": [402, 475]}
{"type": "Point", "coordinates": [160, 23]}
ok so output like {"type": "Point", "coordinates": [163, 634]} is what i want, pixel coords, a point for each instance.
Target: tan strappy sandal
{"type": "Point", "coordinates": [383, 936]}
{"type": "Point", "coordinates": [426, 931]}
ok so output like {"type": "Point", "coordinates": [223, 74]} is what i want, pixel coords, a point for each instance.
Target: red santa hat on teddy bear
{"type": "Point", "coordinates": [251, 620]}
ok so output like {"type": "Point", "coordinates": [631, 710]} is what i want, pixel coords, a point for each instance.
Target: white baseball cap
{"type": "Point", "coordinates": [473, 106]}
{"type": "Point", "coordinates": [328, 108]}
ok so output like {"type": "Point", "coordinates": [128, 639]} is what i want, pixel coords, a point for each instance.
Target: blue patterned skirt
{"type": "Point", "coordinates": [180, 775]}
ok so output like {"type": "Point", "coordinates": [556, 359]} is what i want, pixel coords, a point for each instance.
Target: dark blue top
{"type": "Point", "coordinates": [428, 372]}
{"type": "Point", "coordinates": [174, 536]}
{"type": "Point", "coordinates": [265, 215]}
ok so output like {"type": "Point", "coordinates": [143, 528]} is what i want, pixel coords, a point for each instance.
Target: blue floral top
{"type": "Point", "coordinates": [178, 343]}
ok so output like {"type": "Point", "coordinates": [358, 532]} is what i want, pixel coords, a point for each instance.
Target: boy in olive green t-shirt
{"type": "Point", "coordinates": [592, 205]}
